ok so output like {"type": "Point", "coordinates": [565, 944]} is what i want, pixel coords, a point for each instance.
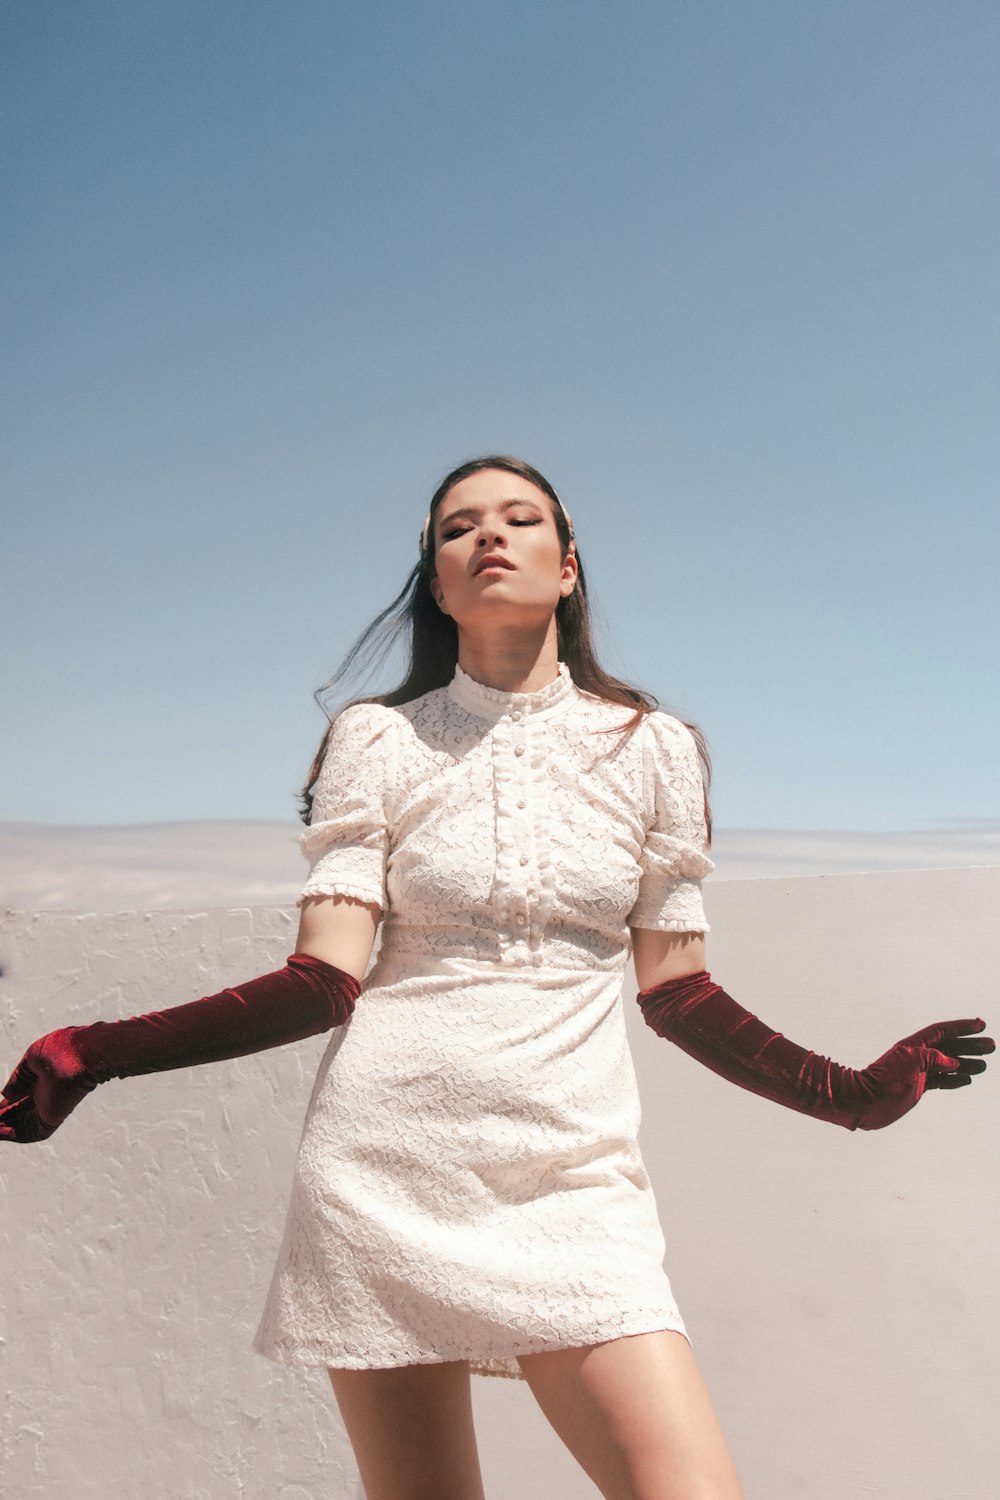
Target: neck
{"type": "Point", "coordinates": [515, 661]}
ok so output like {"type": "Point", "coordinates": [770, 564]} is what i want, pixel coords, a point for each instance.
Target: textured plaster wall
{"type": "Point", "coordinates": [840, 1289]}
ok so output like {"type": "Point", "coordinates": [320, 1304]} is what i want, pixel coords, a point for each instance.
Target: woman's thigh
{"type": "Point", "coordinates": [411, 1431]}
{"type": "Point", "coordinates": [635, 1414]}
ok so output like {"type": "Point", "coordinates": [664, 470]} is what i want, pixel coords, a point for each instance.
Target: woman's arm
{"type": "Point", "coordinates": [338, 930]}
{"type": "Point", "coordinates": [680, 1002]}
{"type": "Point", "coordinates": [315, 990]}
{"type": "Point", "coordinates": [659, 956]}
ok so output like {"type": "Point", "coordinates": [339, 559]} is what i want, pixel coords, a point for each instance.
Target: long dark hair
{"type": "Point", "coordinates": [414, 619]}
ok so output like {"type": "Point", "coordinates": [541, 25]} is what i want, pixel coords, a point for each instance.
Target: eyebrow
{"type": "Point", "coordinates": [477, 510]}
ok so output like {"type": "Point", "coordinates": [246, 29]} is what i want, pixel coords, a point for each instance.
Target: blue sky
{"type": "Point", "coordinates": [727, 273]}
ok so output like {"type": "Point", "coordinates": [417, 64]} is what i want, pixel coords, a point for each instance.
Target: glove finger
{"type": "Point", "coordinates": [948, 1080]}
{"type": "Point", "coordinates": [941, 1069]}
{"type": "Point", "coordinates": [20, 1122]}
{"type": "Point", "coordinates": [21, 1082]}
{"type": "Point", "coordinates": [942, 1031]}
{"type": "Point", "coordinates": [12, 1107]}
{"type": "Point", "coordinates": [976, 1046]}
{"type": "Point", "coordinates": [973, 1065]}
{"type": "Point", "coordinates": [933, 1059]}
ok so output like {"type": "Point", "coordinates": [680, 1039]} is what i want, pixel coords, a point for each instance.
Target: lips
{"type": "Point", "coordinates": [493, 560]}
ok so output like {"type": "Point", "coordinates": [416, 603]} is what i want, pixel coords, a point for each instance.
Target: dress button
{"type": "Point", "coordinates": [516, 716]}
{"type": "Point", "coordinates": [523, 860]}
{"type": "Point", "coordinates": [520, 920]}
{"type": "Point", "coordinates": [521, 803]}
{"type": "Point", "coordinates": [518, 749]}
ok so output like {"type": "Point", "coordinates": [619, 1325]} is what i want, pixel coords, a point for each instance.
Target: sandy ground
{"type": "Point", "coordinates": [193, 866]}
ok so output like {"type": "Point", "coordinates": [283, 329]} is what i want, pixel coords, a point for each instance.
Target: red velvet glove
{"type": "Point", "coordinates": [304, 998]}
{"type": "Point", "coordinates": [703, 1020]}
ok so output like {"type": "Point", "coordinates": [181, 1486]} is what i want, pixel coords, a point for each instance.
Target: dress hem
{"type": "Point", "coordinates": [503, 1365]}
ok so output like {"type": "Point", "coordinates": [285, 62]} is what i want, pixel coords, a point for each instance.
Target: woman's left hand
{"type": "Point", "coordinates": [942, 1056]}
{"type": "Point", "coordinates": [698, 1015]}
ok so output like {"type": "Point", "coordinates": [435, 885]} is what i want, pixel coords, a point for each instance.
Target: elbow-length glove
{"type": "Point", "coordinates": [711, 1027]}
{"type": "Point", "coordinates": [304, 998]}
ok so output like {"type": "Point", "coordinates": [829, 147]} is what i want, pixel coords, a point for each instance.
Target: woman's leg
{"type": "Point", "coordinates": [637, 1417]}
{"type": "Point", "coordinates": [411, 1431]}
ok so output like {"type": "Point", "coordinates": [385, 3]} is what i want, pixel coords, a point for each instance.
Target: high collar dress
{"type": "Point", "coordinates": [469, 1185]}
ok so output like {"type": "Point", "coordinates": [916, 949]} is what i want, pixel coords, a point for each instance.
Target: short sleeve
{"type": "Point", "coordinates": [673, 860]}
{"type": "Point", "coordinates": [346, 843]}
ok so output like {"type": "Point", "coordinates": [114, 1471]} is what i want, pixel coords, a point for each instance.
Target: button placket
{"type": "Point", "coordinates": [525, 874]}
{"type": "Point", "coordinates": [519, 734]}
{"type": "Point", "coordinates": [514, 890]}
{"type": "Point", "coordinates": [522, 771]}
{"type": "Point", "coordinates": [523, 777]}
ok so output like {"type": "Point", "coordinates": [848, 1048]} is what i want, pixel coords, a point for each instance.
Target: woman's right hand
{"type": "Point", "coordinates": [46, 1086]}
{"type": "Point", "coordinates": [308, 996]}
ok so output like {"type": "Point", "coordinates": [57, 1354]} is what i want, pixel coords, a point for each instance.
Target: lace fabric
{"type": "Point", "coordinates": [469, 1184]}
{"type": "Point", "coordinates": [511, 826]}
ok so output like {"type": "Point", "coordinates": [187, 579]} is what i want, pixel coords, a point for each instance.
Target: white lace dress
{"type": "Point", "coordinates": [468, 1184]}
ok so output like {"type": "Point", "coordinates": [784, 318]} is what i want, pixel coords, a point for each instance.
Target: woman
{"type": "Point", "coordinates": [469, 1194]}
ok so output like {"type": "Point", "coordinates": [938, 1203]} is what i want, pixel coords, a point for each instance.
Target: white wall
{"type": "Point", "coordinates": [840, 1288]}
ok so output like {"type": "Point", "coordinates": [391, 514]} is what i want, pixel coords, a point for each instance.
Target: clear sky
{"type": "Point", "coordinates": [726, 272]}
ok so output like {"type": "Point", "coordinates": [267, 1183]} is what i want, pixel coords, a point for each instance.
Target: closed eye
{"type": "Point", "coordinates": [456, 531]}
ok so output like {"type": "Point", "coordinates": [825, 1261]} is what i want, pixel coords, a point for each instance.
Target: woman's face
{"type": "Point", "coordinates": [498, 555]}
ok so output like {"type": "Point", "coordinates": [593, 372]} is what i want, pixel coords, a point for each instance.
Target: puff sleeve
{"type": "Point", "coordinates": [673, 860]}
{"type": "Point", "coordinates": [346, 843]}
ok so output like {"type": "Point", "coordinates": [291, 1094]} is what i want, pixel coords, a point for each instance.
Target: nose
{"type": "Point", "coordinates": [491, 538]}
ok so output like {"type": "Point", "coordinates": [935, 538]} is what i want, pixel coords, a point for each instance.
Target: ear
{"type": "Point", "coordinates": [438, 592]}
{"type": "Point", "coordinates": [570, 569]}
